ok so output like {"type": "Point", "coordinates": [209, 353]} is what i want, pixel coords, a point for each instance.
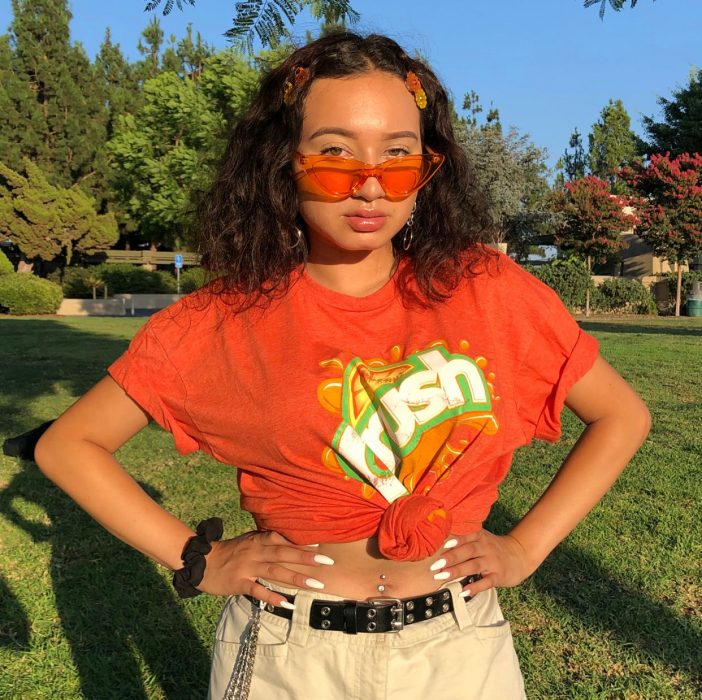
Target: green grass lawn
{"type": "Point", "coordinates": [613, 613]}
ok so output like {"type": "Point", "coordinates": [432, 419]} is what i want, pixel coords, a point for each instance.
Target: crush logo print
{"type": "Point", "coordinates": [406, 417]}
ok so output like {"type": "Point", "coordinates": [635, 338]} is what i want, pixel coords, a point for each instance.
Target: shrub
{"type": "Point", "coordinates": [193, 278]}
{"type": "Point", "coordinates": [22, 294]}
{"type": "Point", "coordinates": [124, 278]}
{"type": "Point", "coordinates": [6, 267]}
{"type": "Point", "coordinates": [687, 279]}
{"type": "Point", "coordinates": [568, 278]}
{"type": "Point", "coordinates": [74, 282]}
{"type": "Point", "coordinates": [624, 295]}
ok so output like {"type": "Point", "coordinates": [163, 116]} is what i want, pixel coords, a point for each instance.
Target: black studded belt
{"type": "Point", "coordinates": [374, 614]}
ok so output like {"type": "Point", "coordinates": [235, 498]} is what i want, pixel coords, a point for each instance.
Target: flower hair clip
{"type": "Point", "coordinates": [300, 76]}
{"type": "Point", "coordinates": [415, 87]}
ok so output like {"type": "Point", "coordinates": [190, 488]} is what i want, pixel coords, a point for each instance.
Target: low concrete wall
{"type": "Point", "coordinates": [133, 302]}
{"type": "Point", "coordinates": [91, 307]}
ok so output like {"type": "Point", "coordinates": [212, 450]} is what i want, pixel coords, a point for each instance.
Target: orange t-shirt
{"type": "Point", "coordinates": [348, 417]}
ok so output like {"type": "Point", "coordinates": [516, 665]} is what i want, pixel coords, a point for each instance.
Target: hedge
{"type": "Point", "coordinates": [625, 296]}
{"type": "Point", "coordinates": [568, 278]}
{"type": "Point", "coordinates": [6, 267]}
{"type": "Point", "coordinates": [120, 278]}
{"type": "Point", "coordinates": [23, 293]}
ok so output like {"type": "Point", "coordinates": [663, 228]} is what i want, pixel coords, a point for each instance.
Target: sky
{"type": "Point", "coordinates": [547, 65]}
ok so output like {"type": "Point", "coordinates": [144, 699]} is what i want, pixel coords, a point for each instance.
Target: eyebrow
{"type": "Point", "coordinates": [338, 131]}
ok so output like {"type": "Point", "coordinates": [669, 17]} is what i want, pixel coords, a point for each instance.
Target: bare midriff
{"type": "Point", "coordinates": [359, 569]}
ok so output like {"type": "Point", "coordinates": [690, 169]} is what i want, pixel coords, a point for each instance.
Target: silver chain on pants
{"type": "Point", "coordinates": [240, 681]}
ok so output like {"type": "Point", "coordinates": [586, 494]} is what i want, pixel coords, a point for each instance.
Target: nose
{"type": "Point", "coordinates": [370, 189]}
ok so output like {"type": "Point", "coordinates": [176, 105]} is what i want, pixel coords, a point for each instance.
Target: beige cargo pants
{"type": "Point", "coordinates": [464, 655]}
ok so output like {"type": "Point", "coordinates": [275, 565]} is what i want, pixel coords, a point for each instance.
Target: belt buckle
{"type": "Point", "coordinates": [397, 622]}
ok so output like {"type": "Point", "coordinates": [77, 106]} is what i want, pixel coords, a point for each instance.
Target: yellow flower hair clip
{"type": "Point", "coordinates": [415, 87]}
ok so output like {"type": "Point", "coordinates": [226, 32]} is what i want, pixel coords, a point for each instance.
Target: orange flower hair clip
{"type": "Point", "coordinates": [415, 87]}
{"type": "Point", "coordinates": [300, 76]}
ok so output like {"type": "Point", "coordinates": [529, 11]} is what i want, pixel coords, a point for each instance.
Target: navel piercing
{"type": "Point", "coordinates": [381, 587]}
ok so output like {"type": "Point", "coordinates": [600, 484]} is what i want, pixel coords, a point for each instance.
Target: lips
{"type": "Point", "coordinates": [366, 220]}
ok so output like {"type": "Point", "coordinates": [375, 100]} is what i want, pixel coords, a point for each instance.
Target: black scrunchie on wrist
{"type": "Point", "coordinates": [186, 579]}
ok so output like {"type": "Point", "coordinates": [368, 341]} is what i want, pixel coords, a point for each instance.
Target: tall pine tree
{"type": "Point", "coordinates": [59, 108]}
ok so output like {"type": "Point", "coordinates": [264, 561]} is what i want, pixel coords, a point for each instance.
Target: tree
{"type": "Point", "coordinates": [612, 144]}
{"type": "Point", "coordinates": [670, 208]}
{"type": "Point", "coordinates": [62, 120]}
{"type": "Point", "coordinates": [160, 155]}
{"type": "Point", "coordinates": [573, 164]}
{"type": "Point", "coordinates": [593, 220]}
{"type": "Point", "coordinates": [269, 19]}
{"type": "Point", "coordinates": [511, 172]}
{"type": "Point", "coordinates": [45, 221]}
{"type": "Point", "coordinates": [681, 128]}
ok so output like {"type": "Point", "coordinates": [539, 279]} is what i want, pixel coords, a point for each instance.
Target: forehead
{"type": "Point", "coordinates": [364, 103]}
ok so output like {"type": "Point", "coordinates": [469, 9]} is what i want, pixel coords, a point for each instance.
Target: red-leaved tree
{"type": "Point", "coordinates": [670, 208]}
{"type": "Point", "coordinates": [592, 222]}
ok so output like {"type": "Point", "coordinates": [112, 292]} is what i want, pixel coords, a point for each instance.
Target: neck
{"type": "Point", "coordinates": [359, 276]}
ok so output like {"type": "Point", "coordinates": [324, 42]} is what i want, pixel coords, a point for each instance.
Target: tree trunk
{"type": "Point", "coordinates": [678, 290]}
{"type": "Point", "coordinates": [587, 291]}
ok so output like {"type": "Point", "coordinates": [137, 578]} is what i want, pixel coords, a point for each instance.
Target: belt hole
{"type": "Point", "coordinates": [445, 595]}
{"type": "Point", "coordinates": [370, 614]}
{"type": "Point", "coordinates": [371, 626]}
{"type": "Point", "coordinates": [428, 613]}
{"type": "Point", "coordinates": [325, 611]}
{"type": "Point", "coordinates": [445, 607]}
{"type": "Point", "coordinates": [410, 605]}
{"type": "Point", "coordinates": [428, 601]}
{"type": "Point", "coordinates": [326, 624]}
{"type": "Point", "coordinates": [409, 618]}
{"type": "Point", "coordinates": [269, 607]}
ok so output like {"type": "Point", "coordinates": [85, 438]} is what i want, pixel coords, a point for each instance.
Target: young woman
{"type": "Point", "coordinates": [369, 367]}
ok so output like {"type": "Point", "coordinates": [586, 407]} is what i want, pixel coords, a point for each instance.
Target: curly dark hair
{"type": "Point", "coordinates": [249, 219]}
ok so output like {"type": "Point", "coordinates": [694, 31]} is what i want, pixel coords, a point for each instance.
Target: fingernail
{"type": "Point", "coordinates": [450, 543]}
{"type": "Point", "coordinates": [441, 576]}
{"type": "Point", "coordinates": [323, 559]}
{"type": "Point", "coordinates": [464, 594]}
{"type": "Point", "coordinates": [313, 583]}
{"type": "Point", "coordinates": [438, 564]}
{"type": "Point", "coordinates": [311, 545]}
{"type": "Point", "coordinates": [287, 605]}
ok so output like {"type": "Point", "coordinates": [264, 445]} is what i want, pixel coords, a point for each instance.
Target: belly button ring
{"type": "Point", "coordinates": [381, 587]}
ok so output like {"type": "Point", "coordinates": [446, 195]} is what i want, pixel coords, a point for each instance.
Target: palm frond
{"type": "Point", "coordinates": [154, 4]}
{"type": "Point", "coordinates": [616, 5]}
{"type": "Point", "coordinates": [267, 18]}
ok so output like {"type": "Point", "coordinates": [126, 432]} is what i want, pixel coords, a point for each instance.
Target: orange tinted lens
{"type": "Point", "coordinates": [402, 176]}
{"type": "Point", "coordinates": [336, 176]}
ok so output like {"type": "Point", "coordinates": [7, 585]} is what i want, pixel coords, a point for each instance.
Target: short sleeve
{"type": "Point", "coordinates": [558, 354]}
{"type": "Point", "coordinates": [147, 375]}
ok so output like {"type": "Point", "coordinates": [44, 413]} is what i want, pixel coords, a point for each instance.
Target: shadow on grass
{"type": "Point", "coordinates": [587, 591]}
{"type": "Point", "coordinates": [14, 625]}
{"type": "Point", "coordinates": [668, 329]}
{"type": "Point", "coordinates": [117, 612]}
{"type": "Point", "coordinates": [114, 607]}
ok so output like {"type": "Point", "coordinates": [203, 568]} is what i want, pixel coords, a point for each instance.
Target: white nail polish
{"type": "Point", "coordinates": [464, 594]}
{"type": "Point", "coordinates": [442, 576]}
{"type": "Point", "coordinates": [449, 544]}
{"type": "Point", "coordinates": [287, 605]}
{"type": "Point", "coordinates": [323, 559]}
{"type": "Point", "coordinates": [313, 583]}
{"type": "Point", "coordinates": [438, 564]}
{"type": "Point", "coordinates": [311, 545]}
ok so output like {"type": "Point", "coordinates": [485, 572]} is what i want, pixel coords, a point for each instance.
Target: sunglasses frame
{"type": "Point", "coordinates": [362, 171]}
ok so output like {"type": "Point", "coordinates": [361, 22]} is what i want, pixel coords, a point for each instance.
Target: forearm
{"type": "Point", "coordinates": [601, 453]}
{"type": "Point", "coordinates": [93, 478]}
